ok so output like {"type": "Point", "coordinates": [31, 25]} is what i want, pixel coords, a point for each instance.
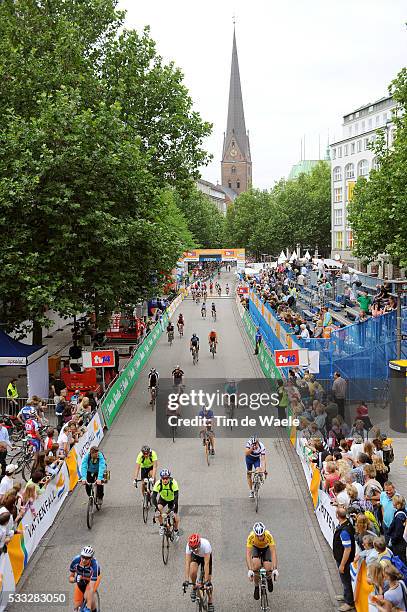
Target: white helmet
{"type": "Point", "coordinates": [88, 552]}
{"type": "Point", "coordinates": [259, 529]}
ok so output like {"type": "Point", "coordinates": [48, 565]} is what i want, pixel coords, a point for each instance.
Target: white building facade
{"type": "Point", "coordinates": [351, 158]}
{"type": "Point", "coordinates": [215, 193]}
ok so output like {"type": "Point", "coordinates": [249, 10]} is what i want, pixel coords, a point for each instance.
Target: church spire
{"type": "Point", "coordinates": [236, 125]}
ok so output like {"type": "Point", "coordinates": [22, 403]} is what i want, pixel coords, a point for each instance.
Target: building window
{"type": "Point", "coordinates": [230, 184]}
{"type": "Point", "coordinates": [352, 148]}
{"type": "Point", "coordinates": [338, 216]}
{"type": "Point", "coordinates": [338, 194]}
{"type": "Point", "coordinates": [375, 164]}
{"type": "Point", "coordinates": [366, 144]}
{"type": "Point", "coordinates": [384, 117]}
{"type": "Point", "coordinates": [359, 146]}
{"type": "Point", "coordinates": [338, 240]}
{"type": "Point", "coordinates": [349, 190]}
{"type": "Point", "coordinates": [333, 153]}
{"type": "Point", "coordinates": [370, 123]}
{"type": "Point", "coordinates": [363, 126]}
{"type": "Point", "coordinates": [339, 151]}
{"type": "Point", "coordinates": [363, 167]}
{"type": "Point", "coordinates": [238, 184]}
{"type": "Point", "coordinates": [377, 120]}
{"type": "Point", "coordinates": [349, 130]}
{"type": "Point", "coordinates": [349, 239]}
{"type": "Point", "coordinates": [337, 173]}
{"type": "Point", "coordinates": [349, 171]}
{"type": "Point", "coordinates": [356, 128]}
{"type": "Point", "coordinates": [357, 114]}
{"type": "Point", "coordinates": [345, 150]}
{"type": "Point", "coordinates": [233, 169]}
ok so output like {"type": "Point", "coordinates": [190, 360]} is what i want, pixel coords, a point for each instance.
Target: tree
{"type": "Point", "coordinates": [205, 222]}
{"type": "Point", "coordinates": [93, 129]}
{"type": "Point", "coordinates": [377, 213]}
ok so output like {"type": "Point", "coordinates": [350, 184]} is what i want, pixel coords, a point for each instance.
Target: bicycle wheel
{"type": "Point", "coordinates": [264, 602]}
{"type": "Point", "coordinates": [173, 433]}
{"type": "Point", "coordinates": [89, 513]}
{"type": "Point", "coordinates": [153, 399]}
{"type": "Point", "coordinates": [97, 601]}
{"type": "Point", "coordinates": [207, 452]}
{"type": "Point", "coordinates": [146, 507]}
{"type": "Point", "coordinates": [256, 496]}
{"type": "Point", "coordinates": [165, 546]}
{"type": "Point", "coordinates": [26, 468]}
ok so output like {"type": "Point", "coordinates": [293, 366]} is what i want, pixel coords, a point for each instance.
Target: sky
{"type": "Point", "coordinates": [303, 65]}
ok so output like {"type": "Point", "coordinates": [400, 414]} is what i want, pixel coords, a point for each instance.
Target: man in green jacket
{"type": "Point", "coordinates": [364, 302]}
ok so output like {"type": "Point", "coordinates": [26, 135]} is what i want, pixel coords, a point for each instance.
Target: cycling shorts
{"type": "Point", "coordinates": [35, 443]}
{"type": "Point", "coordinates": [80, 588]}
{"type": "Point", "coordinates": [201, 561]}
{"type": "Point", "coordinates": [171, 504]}
{"type": "Point", "coordinates": [252, 462]}
{"type": "Point", "coordinates": [264, 554]}
{"type": "Point", "coordinates": [145, 471]}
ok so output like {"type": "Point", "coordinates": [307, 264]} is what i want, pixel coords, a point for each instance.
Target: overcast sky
{"type": "Point", "coordinates": [303, 65]}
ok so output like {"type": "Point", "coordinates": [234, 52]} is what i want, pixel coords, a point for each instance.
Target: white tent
{"type": "Point", "coordinates": [282, 258]}
{"type": "Point", "coordinates": [33, 358]}
{"type": "Point", "coordinates": [307, 256]}
{"type": "Point", "coordinates": [249, 271]}
{"type": "Point", "coordinates": [293, 257]}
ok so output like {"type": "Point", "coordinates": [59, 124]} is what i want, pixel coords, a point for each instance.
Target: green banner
{"type": "Point", "coordinates": [266, 360]}
{"type": "Point", "coordinates": [124, 384]}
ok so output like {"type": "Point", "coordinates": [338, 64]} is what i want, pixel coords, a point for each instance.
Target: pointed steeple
{"type": "Point", "coordinates": [236, 125]}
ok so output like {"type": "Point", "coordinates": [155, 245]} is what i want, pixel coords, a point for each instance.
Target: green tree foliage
{"type": "Point", "coordinates": [204, 220]}
{"type": "Point", "coordinates": [294, 211]}
{"type": "Point", "coordinates": [377, 213]}
{"type": "Point", "coordinates": [94, 128]}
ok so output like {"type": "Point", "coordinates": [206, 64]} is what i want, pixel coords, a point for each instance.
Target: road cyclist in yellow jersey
{"type": "Point", "coordinates": [146, 463]}
{"type": "Point", "coordinates": [261, 552]}
{"type": "Point", "coordinates": [165, 493]}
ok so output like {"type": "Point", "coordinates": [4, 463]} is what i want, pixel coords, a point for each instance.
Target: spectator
{"type": "Point", "coordinates": [372, 489]}
{"type": "Point", "coordinates": [12, 394]}
{"type": "Point", "coordinates": [340, 494]}
{"type": "Point", "coordinates": [92, 402]}
{"type": "Point", "coordinates": [367, 553]}
{"type": "Point", "coordinates": [27, 499]}
{"type": "Point", "coordinates": [358, 472]}
{"type": "Point", "coordinates": [395, 597]}
{"type": "Point", "coordinates": [39, 463]}
{"type": "Point", "coordinates": [7, 481]}
{"type": "Point", "coordinates": [258, 339]}
{"type": "Point", "coordinates": [339, 387]}
{"type": "Point", "coordinates": [388, 510]}
{"type": "Point", "coordinates": [362, 529]}
{"type": "Point", "coordinates": [52, 466]}
{"type": "Point", "coordinates": [384, 553]}
{"type": "Point", "coordinates": [358, 430]}
{"type": "Point", "coordinates": [365, 302]}
{"type": "Point", "coordinates": [59, 411]}
{"type": "Point", "coordinates": [375, 577]}
{"type": "Point", "coordinates": [4, 445]}
{"type": "Point", "coordinates": [331, 476]}
{"type": "Point", "coordinates": [6, 532]}
{"type": "Point", "coordinates": [381, 470]}
{"type": "Point", "coordinates": [396, 529]}
{"type": "Point", "coordinates": [38, 480]}
{"type": "Point", "coordinates": [344, 554]}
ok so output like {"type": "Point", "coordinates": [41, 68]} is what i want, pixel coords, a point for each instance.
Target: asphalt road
{"type": "Point", "coordinates": [213, 500]}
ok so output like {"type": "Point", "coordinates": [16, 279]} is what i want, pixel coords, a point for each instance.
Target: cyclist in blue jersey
{"type": "Point", "coordinates": [85, 575]}
{"type": "Point", "coordinates": [255, 455]}
{"type": "Point", "coordinates": [25, 413]}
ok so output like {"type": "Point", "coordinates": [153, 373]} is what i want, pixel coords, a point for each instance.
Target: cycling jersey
{"type": "Point", "coordinates": [212, 336]}
{"type": "Point", "coordinates": [88, 572]}
{"type": "Point", "coordinates": [253, 540]}
{"type": "Point", "coordinates": [93, 467]}
{"type": "Point", "coordinates": [153, 379]}
{"type": "Point", "coordinates": [258, 451]}
{"type": "Point", "coordinates": [166, 491]}
{"type": "Point", "coordinates": [148, 461]}
{"type": "Point", "coordinates": [195, 341]}
{"type": "Point", "coordinates": [177, 374]}
{"type": "Point", "coordinates": [25, 412]}
{"type": "Point", "coordinates": [31, 428]}
{"type": "Point", "coordinates": [204, 549]}
{"type": "Point", "coordinates": [170, 328]}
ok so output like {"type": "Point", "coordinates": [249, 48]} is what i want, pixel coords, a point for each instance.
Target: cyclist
{"type": "Point", "coordinates": [219, 290]}
{"type": "Point", "coordinates": [180, 323]}
{"type": "Point", "coordinates": [203, 309]}
{"type": "Point", "coordinates": [177, 375]}
{"type": "Point", "coordinates": [198, 553]}
{"type": "Point", "coordinates": [227, 289]}
{"type": "Point", "coordinates": [213, 339]}
{"type": "Point", "coordinates": [32, 430]}
{"type": "Point", "coordinates": [211, 287]}
{"type": "Point", "coordinates": [194, 342]}
{"type": "Point", "coordinates": [261, 550]}
{"type": "Point", "coordinates": [207, 416]}
{"type": "Point", "coordinates": [255, 454]}
{"type": "Point", "coordinates": [170, 331]}
{"type": "Point", "coordinates": [165, 493]}
{"type": "Point", "coordinates": [213, 310]}
{"type": "Point", "coordinates": [25, 413]}
{"type": "Point", "coordinates": [153, 378]}
{"type": "Point", "coordinates": [146, 462]}
{"type": "Point", "coordinates": [93, 468]}
{"type": "Point", "coordinates": [85, 575]}
{"type": "Point", "coordinates": [231, 390]}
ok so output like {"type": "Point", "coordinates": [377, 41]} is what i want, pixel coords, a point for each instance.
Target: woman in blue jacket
{"type": "Point", "coordinates": [92, 469]}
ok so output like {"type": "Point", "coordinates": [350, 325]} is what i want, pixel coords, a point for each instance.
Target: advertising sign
{"type": "Point", "coordinates": [287, 358]}
{"type": "Point", "coordinates": [99, 359]}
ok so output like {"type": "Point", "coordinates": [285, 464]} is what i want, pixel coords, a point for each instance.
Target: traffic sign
{"type": "Point", "coordinates": [287, 358]}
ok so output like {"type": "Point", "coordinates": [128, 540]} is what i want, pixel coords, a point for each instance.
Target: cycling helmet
{"type": "Point", "coordinates": [259, 529]}
{"type": "Point", "coordinates": [165, 474]}
{"type": "Point", "coordinates": [153, 370]}
{"type": "Point", "coordinates": [254, 439]}
{"type": "Point", "coordinates": [33, 412]}
{"type": "Point", "coordinates": [145, 449]}
{"type": "Point", "coordinates": [194, 540]}
{"type": "Point", "coordinates": [177, 367]}
{"type": "Point", "coordinates": [87, 552]}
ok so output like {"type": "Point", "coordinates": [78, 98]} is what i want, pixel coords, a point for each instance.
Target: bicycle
{"type": "Point", "coordinates": [208, 446]}
{"type": "Point", "coordinates": [212, 348]}
{"type": "Point", "coordinates": [201, 590]}
{"type": "Point", "coordinates": [230, 408]}
{"type": "Point", "coordinates": [257, 481]}
{"type": "Point", "coordinates": [24, 459]}
{"type": "Point", "coordinates": [203, 313]}
{"type": "Point", "coordinates": [219, 291]}
{"type": "Point", "coordinates": [181, 329]}
{"type": "Point", "coordinates": [153, 393]}
{"type": "Point", "coordinates": [214, 315]}
{"type": "Point", "coordinates": [168, 535]}
{"type": "Point", "coordinates": [84, 608]}
{"type": "Point", "coordinates": [264, 601]}
{"type": "Point", "coordinates": [146, 497]}
{"type": "Point", "coordinates": [170, 337]}
{"type": "Point", "coordinates": [92, 504]}
{"type": "Point", "coordinates": [194, 352]}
